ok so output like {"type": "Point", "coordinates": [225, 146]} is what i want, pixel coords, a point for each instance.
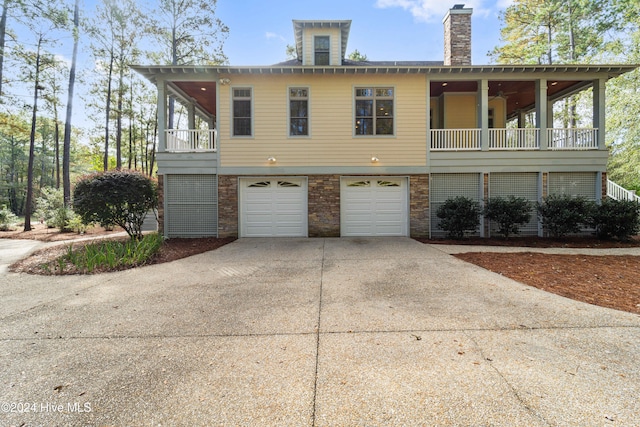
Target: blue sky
{"type": "Point", "coordinates": [382, 29]}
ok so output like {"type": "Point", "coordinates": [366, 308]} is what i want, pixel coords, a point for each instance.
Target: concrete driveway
{"type": "Point", "coordinates": [311, 332]}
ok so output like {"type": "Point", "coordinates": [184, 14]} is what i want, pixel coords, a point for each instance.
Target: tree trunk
{"type": "Point", "coordinates": [66, 156]}
{"type": "Point", "coordinates": [119, 118]}
{"type": "Point", "coordinates": [108, 113]}
{"type": "Point", "coordinates": [3, 30]}
{"type": "Point", "coordinates": [56, 135]}
{"type": "Point", "coordinates": [32, 143]}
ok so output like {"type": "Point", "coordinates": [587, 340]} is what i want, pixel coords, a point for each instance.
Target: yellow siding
{"type": "Point", "coordinates": [499, 111]}
{"type": "Point", "coordinates": [308, 44]}
{"type": "Point", "coordinates": [460, 111]}
{"type": "Point", "coordinates": [331, 141]}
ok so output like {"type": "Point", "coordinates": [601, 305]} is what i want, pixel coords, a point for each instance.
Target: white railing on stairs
{"type": "Point", "coordinates": [617, 192]}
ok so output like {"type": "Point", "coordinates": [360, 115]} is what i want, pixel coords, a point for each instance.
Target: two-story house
{"type": "Point", "coordinates": [325, 146]}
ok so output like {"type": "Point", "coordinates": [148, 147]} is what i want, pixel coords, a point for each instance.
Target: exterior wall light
{"type": "Point", "coordinates": [271, 159]}
{"type": "Point", "coordinates": [374, 159]}
{"type": "Point", "coordinates": [224, 82]}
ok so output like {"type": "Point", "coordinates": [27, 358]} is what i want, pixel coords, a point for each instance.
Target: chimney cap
{"type": "Point", "coordinates": [458, 6]}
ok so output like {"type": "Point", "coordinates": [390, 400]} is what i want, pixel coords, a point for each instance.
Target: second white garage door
{"type": "Point", "coordinates": [273, 207]}
{"type": "Point", "coordinates": [374, 206]}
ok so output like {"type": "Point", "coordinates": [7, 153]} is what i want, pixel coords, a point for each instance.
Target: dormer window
{"type": "Point", "coordinates": [321, 50]}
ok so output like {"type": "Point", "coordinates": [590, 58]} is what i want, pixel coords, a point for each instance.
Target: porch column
{"type": "Point", "coordinates": [522, 119]}
{"type": "Point", "coordinates": [162, 115]}
{"type": "Point", "coordinates": [542, 108]}
{"type": "Point", "coordinates": [599, 111]}
{"type": "Point", "coordinates": [483, 113]}
{"type": "Point", "coordinates": [191, 114]}
{"type": "Point", "coordinates": [428, 117]}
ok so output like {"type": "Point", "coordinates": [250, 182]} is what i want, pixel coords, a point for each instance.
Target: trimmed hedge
{"type": "Point", "coordinates": [510, 213]}
{"type": "Point", "coordinates": [459, 215]}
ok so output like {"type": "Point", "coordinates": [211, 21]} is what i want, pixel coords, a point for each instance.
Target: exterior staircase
{"type": "Point", "coordinates": [617, 192]}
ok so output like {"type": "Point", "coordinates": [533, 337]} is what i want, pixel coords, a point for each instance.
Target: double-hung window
{"type": "Point", "coordinates": [298, 111]}
{"type": "Point", "coordinates": [242, 119]}
{"type": "Point", "coordinates": [321, 50]}
{"type": "Point", "coordinates": [374, 111]}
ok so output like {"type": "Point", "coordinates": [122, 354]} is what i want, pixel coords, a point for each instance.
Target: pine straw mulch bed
{"type": "Point", "coordinates": [611, 281]}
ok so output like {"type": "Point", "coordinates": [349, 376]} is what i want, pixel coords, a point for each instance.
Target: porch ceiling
{"type": "Point", "coordinates": [520, 95]}
{"type": "Point", "coordinates": [204, 93]}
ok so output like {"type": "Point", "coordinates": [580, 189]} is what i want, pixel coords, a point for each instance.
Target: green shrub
{"type": "Point", "coordinates": [459, 215]}
{"type": "Point", "coordinates": [616, 218]}
{"type": "Point", "coordinates": [510, 213]}
{"type": "Point", "coordinates": [116, 197]}
{"type": "Point", "coordinates": [563, 214]}
{"type": "Point", "coordinates": [7, 219]}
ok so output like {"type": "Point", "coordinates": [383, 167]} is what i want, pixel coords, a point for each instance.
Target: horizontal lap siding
{"type": "Point", "coordinates": [331, 141]}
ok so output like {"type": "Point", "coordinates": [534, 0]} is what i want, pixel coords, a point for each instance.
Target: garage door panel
{"type": "Point", "coordinates": [273, 207]}
{"type": "Point", "coordinates": [374, 207]}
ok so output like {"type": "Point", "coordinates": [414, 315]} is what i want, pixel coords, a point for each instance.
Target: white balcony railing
{"type": "Point", "coordinates": [572, 139]}
{"type": "Point", "coordinates": [514, 139]}
{"type": "Point", "coordinates": [455, 139]}
{"type": "Point", "coordinates": [192, 140]}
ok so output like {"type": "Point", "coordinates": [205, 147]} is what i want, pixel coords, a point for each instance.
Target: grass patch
{"type": "Point", "coordinates": [108, 255]}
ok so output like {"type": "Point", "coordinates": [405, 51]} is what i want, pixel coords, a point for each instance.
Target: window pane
{"type": "Point", "coordinates": [241, 108]}
{"type": "Point", "coordinates": [298, 93]}
{"type": "Point", "coordinates": [321, 43]}
{"type": "Point", "coordinates": [242, 126]}
{"type": "Point", "coordinates": [298, 109]}
{"type": "Point", "coordinates": [384, 108]}
{"type": "Point", "coordinates": [364, 92]}
{"type": "Point", "coordinates": [384, 127]}
{"type": "Point", "coordinates": [364, 126]}
{"type": "Point", "coordinates": [299, 127]}
{"type": "Point", "coordinates": [322, 58]}
{"type": "Point", "coordinates": [385, 92]}
{"type": "Point", "coordinates": [242, 93]}
{"type": "Point", "coordinates": [364, 108]}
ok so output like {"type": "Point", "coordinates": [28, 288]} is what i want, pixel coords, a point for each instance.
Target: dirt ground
{"type": "Point", "coordinates": [608, 281]}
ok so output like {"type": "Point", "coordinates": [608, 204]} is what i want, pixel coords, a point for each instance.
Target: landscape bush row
{"type": "Point", "coordinates": [560, 215]}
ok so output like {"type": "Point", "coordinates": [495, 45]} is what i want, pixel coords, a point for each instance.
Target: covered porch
{"type": "Point", "coordinates": [518, 111]}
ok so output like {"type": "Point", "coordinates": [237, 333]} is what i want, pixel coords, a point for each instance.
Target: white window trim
{"type": "Point", "coordinates": [253, 112]}
{"type": "Point", "coordinates": [353, 115]}
{"type": "Point", "coordinates": [308, 135]}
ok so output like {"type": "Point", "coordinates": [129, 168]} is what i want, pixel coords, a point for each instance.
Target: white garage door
{"type": "Point", "coordinates": [273, 207]}
{"type": "Point", "coordinates": [374, 206]}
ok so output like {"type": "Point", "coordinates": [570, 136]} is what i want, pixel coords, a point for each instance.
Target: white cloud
{"type": "Point", "coordinates": [269, 35]}
{"type": "Point", "coordinates": [434, 10]}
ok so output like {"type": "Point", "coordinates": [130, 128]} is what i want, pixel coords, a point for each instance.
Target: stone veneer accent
{"type": "Point", "coordinates": [324, 205]}
{"type": "Point", "coordinates": [228, 206]}
{"type": "Point", "coordinates": [419, 216]}
{"type": "Point", "coordinates": [604, 185]}
{"type": "Point", "coordinates": [457, 37]}
{"type": "Point", "coordinates": [161, 205]}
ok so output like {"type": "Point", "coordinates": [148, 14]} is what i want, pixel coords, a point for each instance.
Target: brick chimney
{"type": "Point", "coordinates": [457, 36]}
